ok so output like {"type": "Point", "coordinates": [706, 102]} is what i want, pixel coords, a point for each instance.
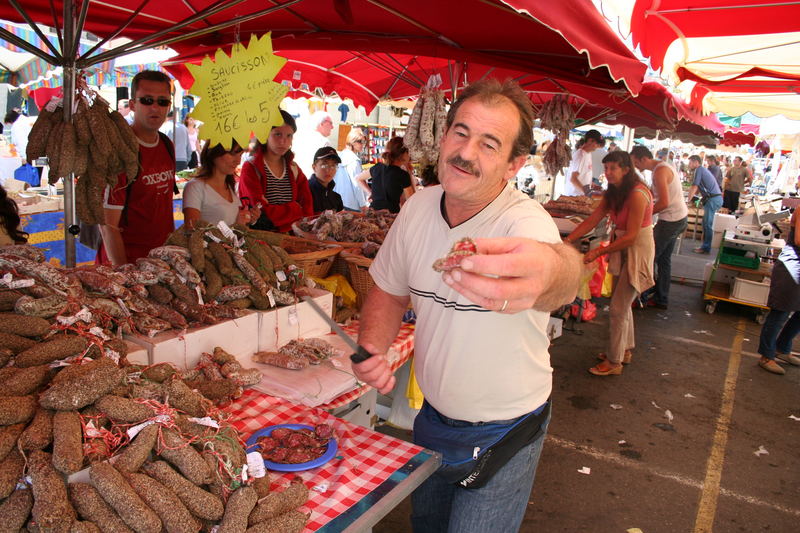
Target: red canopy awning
{"type": "Point", "coordinates": [655, 24]}
{"type": "Point", "coordinates": [551, 39]}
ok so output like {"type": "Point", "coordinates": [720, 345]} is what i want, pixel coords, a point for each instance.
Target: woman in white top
{"type": "Point", "coordinates": [211, 195]}
{"type": "Point", "coordinates": [353, 196]}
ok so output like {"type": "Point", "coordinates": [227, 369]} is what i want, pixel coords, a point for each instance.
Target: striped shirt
{"type": "Point", "coordinates": [279, 190]}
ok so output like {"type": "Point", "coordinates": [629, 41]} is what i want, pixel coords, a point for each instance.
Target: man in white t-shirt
{"type": "Point", "coordinates": [481, 352]}
{"type": "Point", "coordinates": [579, 173]}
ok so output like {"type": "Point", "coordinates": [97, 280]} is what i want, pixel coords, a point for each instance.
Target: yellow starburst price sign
{"type": "Point", "coordinates": [237, 95]}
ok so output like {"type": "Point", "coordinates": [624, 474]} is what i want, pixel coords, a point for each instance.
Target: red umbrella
{"type": "Point", "coordinates": [552, 39]}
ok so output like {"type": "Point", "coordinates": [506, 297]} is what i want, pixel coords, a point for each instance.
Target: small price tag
{"type": "Point", "coordinates": [271, 298]}
{"type": "Point", "coordinates": [205, 421]}
{"type": "Point", "coordinates": [92, 431]}
{"type": "Point", "coordinates": [125, 310]}
{"type": "Point", "coordinates": [255, 465]}
{"type": "Point", "coordinates": [199, 294]}
{"type": "Point", "coordinates": [114, 356]}
{"type": "Point", "coordinates": [292, 316]}
{"type": "Point", "coordinates": [213, 237]}
{"type": "Point", "coordinates": [226, 230]}
{"type": "Point", "coordinates": [281, 275]}
{"type": "Point", "coordinates": [98, 332]}
{"type": "Point", "coordinates": [336, 363]}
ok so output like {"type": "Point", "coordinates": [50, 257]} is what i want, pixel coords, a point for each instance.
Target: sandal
{"type": "Point", "coordinates": [610, 371]}
{"type": "Point", "coordinates": [626, 358]}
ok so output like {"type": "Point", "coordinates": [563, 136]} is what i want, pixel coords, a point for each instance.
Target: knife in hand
{"type": "Point", "coordinates": [360, 354]}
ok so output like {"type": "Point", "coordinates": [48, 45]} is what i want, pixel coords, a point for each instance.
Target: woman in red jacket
{"type": "Point", "coordinates": [270, 177]}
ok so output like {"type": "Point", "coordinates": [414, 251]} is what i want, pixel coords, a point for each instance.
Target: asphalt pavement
{"type": "Point", "coordinates": [692, 437]}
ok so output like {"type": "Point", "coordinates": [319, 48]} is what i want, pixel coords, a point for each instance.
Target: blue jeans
{"type": "Point", "coordinates": [665, 234]}
{"type": "Point", "coordinates": [777, 333]}
{"type": "Point", "coordinates": [440, 505]}
{"type": "Point", "coordinates": [711, 207]}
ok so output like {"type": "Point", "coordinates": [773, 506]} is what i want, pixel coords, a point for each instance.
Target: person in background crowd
{"type": "Point", "coordinates": [138, 210]}
{"type": "Point", "coordinates": [429, 176]}
{"type": "Point", "coordinates": [347, 187]}
{"type": "Point", "coordinates": [10, 232]}
{"type": "Point", "coordinates": [629, 203]}
{"type": "Point", "coordinates": [124, 108]}
{"type": "Point", "coordinates": [706, 184]}
{"type": "Point", "coordinates": [194, 142]}
{"type": "Point", "coordinates": [737, 178]}
{"type": "Point", "coordinates": [672, 219]}
{"type": "Point", "coordinates": [597, 164]}
{"type": "Point", "coordinates": [19, 131]}
{"type": "Point", "coordinates": [783, 321]}
{"type": "Point", "coordinates": [713, 167]}
{"type": "Point", "coordinates": [612, 146]}
{"type": "Point", "coordinates": [390, 181]}
{"type": "Point", "coordinates": [211, 194]}
{"type": "Point", "coordinates": [579, 173]}
{"type": "Point", "coordinates": [321, 125]}
{"type": "Point", "coordinates": [323, 188]}
{"type": "Point", "coordinates": [683, 167]}
{"type": "Point", "coordinates": [183, 150]}
{"type": "Point", "coordinates": [472, 400]}
{"type": "Point", "coordinates": [272, 178]}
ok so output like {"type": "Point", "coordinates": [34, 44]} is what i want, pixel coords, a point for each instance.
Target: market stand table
{"type": "Point", "coordinates": [369, 476]}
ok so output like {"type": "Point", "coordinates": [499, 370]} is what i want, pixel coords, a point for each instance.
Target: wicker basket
{"type": "Point", "coordinates": [360, 278]}
{"type": "Point", "coordinates": [314, 257]}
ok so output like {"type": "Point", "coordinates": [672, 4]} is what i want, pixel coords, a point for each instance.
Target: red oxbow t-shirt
{"type": "Point", "coordinates": [149, 218]}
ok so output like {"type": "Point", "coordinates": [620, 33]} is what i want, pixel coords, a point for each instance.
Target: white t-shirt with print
{"type": "Point", "coordinates": [471, 363]}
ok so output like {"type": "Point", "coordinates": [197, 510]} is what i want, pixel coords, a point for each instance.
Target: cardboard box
{"type": "Point", "coordinates": [279, 326]}
{"type": "Point", "coordinates": [137, 354]}
{"type": "Point", "coordinates": [755, 292]}
{"type": "Point", "coordinates": [724, 222]}
{"type": "Point", "coordinates": [238, 336]}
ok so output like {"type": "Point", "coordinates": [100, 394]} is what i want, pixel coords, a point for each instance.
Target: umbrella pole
{"type": "Point", "coordinates": [71, 37]}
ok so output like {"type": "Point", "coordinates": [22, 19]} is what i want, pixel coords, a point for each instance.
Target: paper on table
{"type": "Point", "coordinates": [316, 384]}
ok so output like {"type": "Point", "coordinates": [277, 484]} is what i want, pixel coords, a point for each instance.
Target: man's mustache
{"type": "Point", "coordinates": [463, 164]}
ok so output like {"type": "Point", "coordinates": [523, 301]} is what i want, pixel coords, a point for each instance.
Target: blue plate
{"type": "Point", "coordinates": [291, 467]}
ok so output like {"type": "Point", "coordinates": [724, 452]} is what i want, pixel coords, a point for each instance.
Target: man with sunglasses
{"type": "Point", "coordinates": [138, 209]}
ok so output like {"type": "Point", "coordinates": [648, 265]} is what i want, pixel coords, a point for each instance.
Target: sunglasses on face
{"type": "Point", "coordinates": [149, 100]}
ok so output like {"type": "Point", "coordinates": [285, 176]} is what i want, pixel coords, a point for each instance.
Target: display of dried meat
{"type": "Point", "coordinates": [347, 226]}
{"type": "Point", "coordinates": [298, 354]}
{"type": "Point", "coordinates": [570, 205]}
{"type": "Point", "coordinates": [292, 446]}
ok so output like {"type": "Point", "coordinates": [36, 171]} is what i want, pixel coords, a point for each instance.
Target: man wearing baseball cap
{"type": "Point", "coordinates": [321, 183]}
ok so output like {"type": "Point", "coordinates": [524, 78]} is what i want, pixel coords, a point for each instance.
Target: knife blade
{"type": "Point", "coordinates": [360, 354]}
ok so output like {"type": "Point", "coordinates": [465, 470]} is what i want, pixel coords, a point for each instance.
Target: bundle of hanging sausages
{"type": "Point", "coordinates": [159, 456]}
{"type": "Point", "coordinates": [557, 116]}
{"type": "Point", "coordinates": [426, 127]}
{"type": "Point", "coordinates": [96, 146]}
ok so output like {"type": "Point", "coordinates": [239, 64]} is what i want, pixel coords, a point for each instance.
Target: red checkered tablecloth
{"type": "Point", "coordinates": [403, 344]}
{"type": "Point", "coordinates": [364, 460]}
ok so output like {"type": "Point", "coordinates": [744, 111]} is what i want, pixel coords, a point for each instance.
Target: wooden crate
{"type": "Point", "coordinates": [695, 228]}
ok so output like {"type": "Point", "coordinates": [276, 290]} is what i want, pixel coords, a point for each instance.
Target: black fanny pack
{"type": "Point", "coordinates": [478, 451]}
